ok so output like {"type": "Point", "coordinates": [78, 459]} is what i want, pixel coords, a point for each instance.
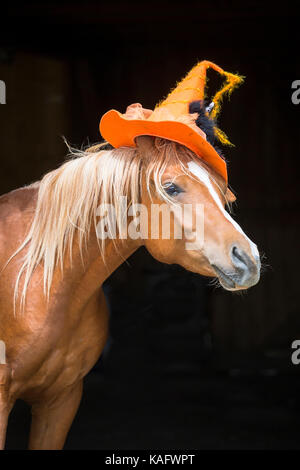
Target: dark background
{"type": "Point", "coordinates": [187, 365]}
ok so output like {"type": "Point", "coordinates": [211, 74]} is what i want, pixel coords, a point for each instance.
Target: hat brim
{"type": "Point", "coordinates": [121, 132]}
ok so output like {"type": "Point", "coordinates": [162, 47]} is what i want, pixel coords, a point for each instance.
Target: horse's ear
{"type": "Point", "coordinates": [230, 197]}
{"type": "Point", "coordinates": [145, 145]}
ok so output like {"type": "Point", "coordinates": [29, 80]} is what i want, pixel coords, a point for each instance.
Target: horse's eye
{"type": "Point", "coordinates": [172, 189]}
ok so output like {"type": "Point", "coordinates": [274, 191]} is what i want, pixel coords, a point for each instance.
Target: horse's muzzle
{"type": "Point", "coordinates": [243, 273]}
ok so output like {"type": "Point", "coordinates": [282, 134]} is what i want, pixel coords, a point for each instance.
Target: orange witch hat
{"type": "Point", "coordinates": [171, 118]}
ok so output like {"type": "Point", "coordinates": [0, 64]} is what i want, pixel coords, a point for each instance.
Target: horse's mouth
{"type": "Point", "coordinates": [225, 280]}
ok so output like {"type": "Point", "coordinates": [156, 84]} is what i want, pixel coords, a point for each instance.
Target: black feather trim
{"type": "Point", "coordinates": [204, 122]}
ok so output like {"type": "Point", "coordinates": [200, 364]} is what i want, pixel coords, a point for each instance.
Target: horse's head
{"type": "Point", "coordinates": [212, 243]}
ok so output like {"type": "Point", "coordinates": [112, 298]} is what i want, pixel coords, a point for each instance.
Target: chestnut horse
{"type": "Point", "coordinates": [54, 318]}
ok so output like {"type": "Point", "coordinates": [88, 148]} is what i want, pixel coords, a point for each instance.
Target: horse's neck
{"type": "Point", "coordinates": [97, 268]}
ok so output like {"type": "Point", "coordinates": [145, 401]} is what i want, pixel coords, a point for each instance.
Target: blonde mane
{"type": "Point", "coordinates": [68, 198]}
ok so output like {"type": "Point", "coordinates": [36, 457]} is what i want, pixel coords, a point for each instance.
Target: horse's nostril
{"type": "Point", "coordinates": [240, 259]}
{"type": "Point", "coordinates": [246, 270]}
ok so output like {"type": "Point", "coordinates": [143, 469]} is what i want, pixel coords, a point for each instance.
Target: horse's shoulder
{"type": "Point", "coordinates": [15, 204]}
{"type": "Point", "coordinates": [19, 199]}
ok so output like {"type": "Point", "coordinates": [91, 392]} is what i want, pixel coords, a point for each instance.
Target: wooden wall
{"type": "Point", "coordinates": [35, 117]}
{"type": "Point", "coordinates": [72, 68]}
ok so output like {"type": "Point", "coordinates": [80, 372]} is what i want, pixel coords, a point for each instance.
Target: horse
{"type": "Point", "coordinates": [56, 253]}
